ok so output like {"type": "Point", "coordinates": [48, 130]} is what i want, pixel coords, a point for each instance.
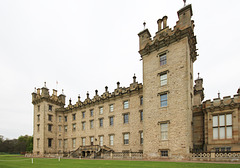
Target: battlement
{"type": "Point", "coordinates": [166, 36]}
{"type": "Point", "coordinates": [219, 104]}
{"type": "Point", "coordinates": [42, 94]}
{"type": "Point", "coordinates": [134, 87]}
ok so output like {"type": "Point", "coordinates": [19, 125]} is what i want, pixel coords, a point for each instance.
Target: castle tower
{"type": "Point", "coordinates": [168, 87]}
{"type": "Point", "coordinates": [44, 121]}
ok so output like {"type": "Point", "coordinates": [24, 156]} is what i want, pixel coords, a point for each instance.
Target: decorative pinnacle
{"type": "Point", "coordinates": [87, 94]}
{"type": "Point", "coordinates": [184, 2]}
{"type": "Point", "coordinates": [79, 97]}
{"type": "Point", "coordinates": [198, 75]}
{"type": "Point", "coordinates": [219, 94]}
{"type": "Point", "coordinates": [106, 88]}
{"type": "Point", "coordinates": [70, 101]}
{"type": "Point", "coordinates": [134, 78]}
{"type": "Point", "coordinates": [62, 91]}
{"type": "Point", "coordinates": [144, 24]}
{"type": "Point", "coordinates": [96, 91]}
{"type": "Point", "coordinates": [118, 84]}
{"type": "Point", "coordinates": [45, 84]}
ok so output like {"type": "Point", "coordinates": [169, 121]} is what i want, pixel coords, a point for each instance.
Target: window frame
{"type": "Point", "coordinates": [222, 126]}
{"type": "Point", "coordinates": [127, 140]}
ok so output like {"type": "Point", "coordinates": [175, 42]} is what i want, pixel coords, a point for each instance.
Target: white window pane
{"type": "Point", "coordinates": [215, 121]}
{"type": "Point", "coordinates": [164, 127]}
{"type": "Point", "coordinates": [229, 119]}
{"type": "Point", "coordinates": [229, 132]}
{"type": "Point", "coordinates": [221, 120]}
{"type": "Point", "coordinates": [163, 82]}
{"type": "Point", "coordinates": [222, 132]}
{"type": "Point", "coordinates": [126, 136]}
{"type": "Point", "coordinates": [215, 133]}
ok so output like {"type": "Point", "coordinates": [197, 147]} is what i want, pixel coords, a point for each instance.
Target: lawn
{"type": "Point", "coordinates": [7, 161]}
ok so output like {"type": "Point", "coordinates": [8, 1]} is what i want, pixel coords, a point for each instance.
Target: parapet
{"type": "Point", "coordinates": [225, 103]}
{"type": "Point", "coordinates": [42, 94]}
{"type": "Point", "coordinates": [166, 36]}
{"type": "Point", "coordinates": [134, 87]}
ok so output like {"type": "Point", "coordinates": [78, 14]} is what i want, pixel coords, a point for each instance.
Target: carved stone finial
{"type": "Point", "coordinates": [96, 91]}
{"type": "Point", "coordinates": [198, 75]}
{"type": "Point", "coordinates": [118, 84]}
{"type": "Point", "coordinates": [134, 78]}
{"type": "Point", "coordinates": [184, 2]}
{"type": "Point", "coordinates": [219, 94]}
{"type": "Point", "coordinates": [35, 90]}
{"type": "Point", "coordinates": [70, 101]}
{"type": "Point", "coordinates": [106, 89]}
{"type": "Point", "coordinates": [45, 84]}
{"type": "Point", "coordinates": [87, 95]}
{"type": "Point", "coordinates": [144, 24]}
{"type": "Point", "coordinates": [79, 97]}
{"type": "Point", "coordinates": [62, 91]}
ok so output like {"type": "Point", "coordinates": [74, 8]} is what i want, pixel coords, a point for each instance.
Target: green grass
{"type": "Point", "coordinates": [21, 162]}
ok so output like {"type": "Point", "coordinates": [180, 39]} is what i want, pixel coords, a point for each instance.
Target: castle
{"type": "Point", "coordinates": [165, 117]}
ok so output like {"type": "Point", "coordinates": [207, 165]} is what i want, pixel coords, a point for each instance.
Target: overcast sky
{"type": "Point", "coordinates": [87, 45]}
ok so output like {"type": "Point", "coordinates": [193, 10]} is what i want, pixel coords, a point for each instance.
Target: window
{"type": "Point", "coordinates": [141, 115]}
{"type": "Point", "coordinates": [163, 79]}
{"type": "Point", "coordinates": [50, 142]}
{"type": "Point", "coordinates": [59, 118]}
{"type": "Point", "coordinates": [83, 125]}
{"type": "Point", "coordinates": [83, 114]}
{"type": "Point", "coordinates": [163, 59]}
{"type": "Point", "coordinates": [92, 140]}
{"type": "Point", "coordinates": [74, 127]}
{"type": "Point", "coordinates": [49, 117]}
{"type": "Point", "coordinates": [65, 118]}
{"type": "Point", "coordinates": [65, 143]}
{"type": "Point", "coordinates": [83, 141]}
{"type": "Point", "coordinates": [164, 131]}
{"type": "Point", "coordinates": [100, 110]}
{"type": "Point", "coordinates": [91, 124]}
{"type": "Point", "coordinates": [111, 121]}
{"type": "Point", "coordinates": [65, 128]}
{"type": "Point", "coordinates": [164, 153]}
{"type": "Point", "coordinates": [38, 127]}
{"type": "Point", "coordinates": [101, 140]}
{"type": "Point", "coordinates": [38, 140]}
{"type": "Point", "coordinates": [126, 138]}
{"type": "Point", "coordinates": [222, 126]}
{"type": "Point", "coordinates": [125, 118]}
{"type": "Point", "coordinates": [38, 117]}
{"type": "Point", "coordinates": [91, 112]}
{"type": "Point", "coordinates": [125, 104]}
{"type": "Point", "coordinates": [49, 107]}
{"type": "Point", "coordinates": [38, 108]}
{"type": "Point", "coordinates": [59, 128]}
{"type": "Point", "coordinates": [111, 107]}
{"type": "Point", "coordinates": [74, 142]}
{"type": "Point", "coordinates": [50, 127]}
{"type": "Point", "coordinates": [74, 117]}
{"type": "Point", "coordinates": [141, 138]}
{"type": "Point", "coordinates": [141, 100]}
{"type": "Point", "coordinates": [101, 122]}
{"type": "Point", "coordinates": [163, 100]}
{"type": "Point", "coordinates": [111, 140]}
{"type": "Point", "coordinates": [59, 143]}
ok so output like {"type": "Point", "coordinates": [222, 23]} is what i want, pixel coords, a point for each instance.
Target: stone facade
{"type": "Point", "coordinates": [164, 117]}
